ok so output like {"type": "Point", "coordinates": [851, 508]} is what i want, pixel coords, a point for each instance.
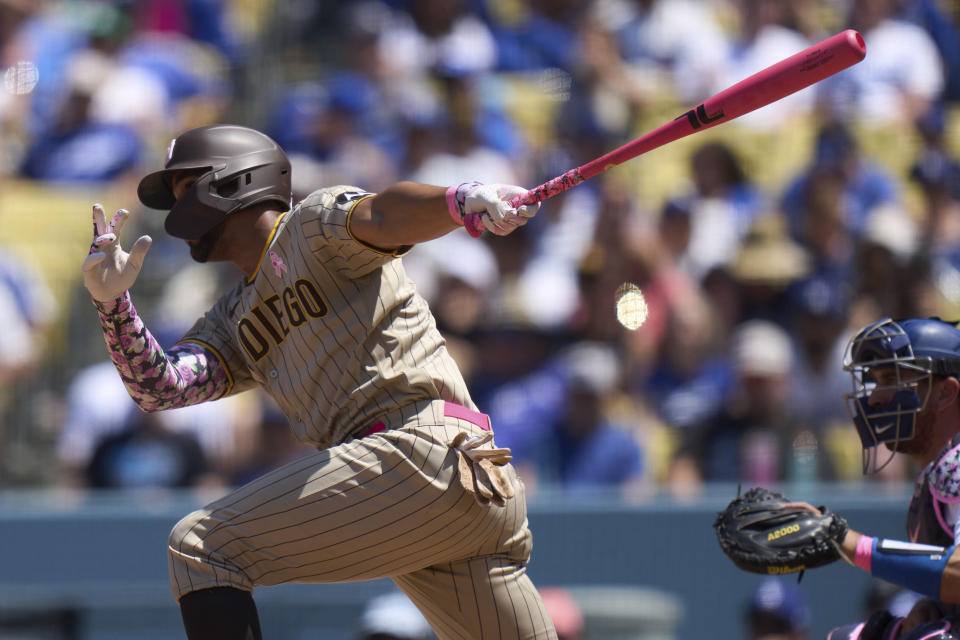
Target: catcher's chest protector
{"type": "Point", "coordinates": [931, 518]}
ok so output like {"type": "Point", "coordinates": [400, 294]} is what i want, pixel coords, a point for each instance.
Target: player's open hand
{"type": "Point", "coordinates": [108, 270]}
{"type": "Point", "coordinates": [491, 201]}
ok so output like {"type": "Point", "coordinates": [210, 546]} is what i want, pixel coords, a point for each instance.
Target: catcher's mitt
{"type": "Point", "coordinates": [763, 532]}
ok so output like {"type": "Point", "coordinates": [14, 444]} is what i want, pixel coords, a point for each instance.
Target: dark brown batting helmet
{"type": "Point", "coordinates": [241, 167]}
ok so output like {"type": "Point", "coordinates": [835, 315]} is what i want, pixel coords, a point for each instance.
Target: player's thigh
{"type": "Point", "coordinates": [481, 598]}
{"type": "Point", "coordinates": [371, 508]}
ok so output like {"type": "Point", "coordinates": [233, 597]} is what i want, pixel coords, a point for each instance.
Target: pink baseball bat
{"type": "Point", "coordinates": [777, 81]}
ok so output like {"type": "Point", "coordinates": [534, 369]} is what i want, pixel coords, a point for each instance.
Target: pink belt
{"type": "Point", "coordinates": [450, 410]}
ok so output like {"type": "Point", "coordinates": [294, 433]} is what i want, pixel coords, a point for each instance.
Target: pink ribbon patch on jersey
{"type": "Point", "coordinates": [277, 262]}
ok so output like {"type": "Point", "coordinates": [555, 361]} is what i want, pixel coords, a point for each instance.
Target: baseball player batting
{"type": "Point", "coordinates": [406, 482]}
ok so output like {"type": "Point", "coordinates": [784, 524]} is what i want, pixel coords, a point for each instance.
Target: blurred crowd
{"type": "Point", "coordinates": [759, 245]}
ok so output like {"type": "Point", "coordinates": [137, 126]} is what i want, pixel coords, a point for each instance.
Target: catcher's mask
{"type": "Point", "coordinates": [238, 167]}
{"type": "Point", "coordinates": [893, 365]}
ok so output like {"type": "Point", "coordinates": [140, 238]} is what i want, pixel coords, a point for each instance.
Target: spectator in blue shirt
{"type": "Point", "coordinates": [571, 441]}
{"type": "Point", "coordinates": [864, 184]}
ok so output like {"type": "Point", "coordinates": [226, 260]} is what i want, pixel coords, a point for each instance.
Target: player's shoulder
{"type": "Point", "coordinates": [943, 474]}
{"type": "Point", "coordinates": [337, 196]}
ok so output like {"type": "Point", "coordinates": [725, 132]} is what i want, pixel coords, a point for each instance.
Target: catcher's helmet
{"type": "Point", "coordinates": [912, 351]}
{"type": "Point", "coordinates": [242, 167]}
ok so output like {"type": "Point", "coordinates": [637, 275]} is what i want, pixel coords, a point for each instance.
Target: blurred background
{"type": "Point", "coordinates": [759, 245]}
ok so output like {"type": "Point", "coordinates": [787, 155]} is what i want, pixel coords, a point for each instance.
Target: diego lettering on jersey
{"type": "Point", "coordinates": [269, 323]}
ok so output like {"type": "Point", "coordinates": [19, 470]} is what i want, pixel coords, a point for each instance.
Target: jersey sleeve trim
{"type": "Point", "coordinates": [266, 245]}
{"type": "Point", "coordinates": [395, 253]}
{"type": "Point", "coordinates": [219, 357]}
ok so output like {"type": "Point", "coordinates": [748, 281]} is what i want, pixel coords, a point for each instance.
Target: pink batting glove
{"type": "Point", "coordinates": [491, 204]}
{"type": "Point", "coordinates": [108, 270]}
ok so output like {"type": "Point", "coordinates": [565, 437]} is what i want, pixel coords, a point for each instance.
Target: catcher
{"type": "Point", "coordinates": [905, 399]}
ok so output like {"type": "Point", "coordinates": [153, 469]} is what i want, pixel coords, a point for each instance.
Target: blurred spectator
{"type": "Point", "coordinates": [764, 36]}
{"type": "Point", "coordinates": [937, 174]}
{"type": "Point", "coordinates": [942, 27]}
{"type": "Point", "coordinates": [567, 437]}
{"type": "Point", "coordinates": [680, 39]}
{"type": "Point", "coordinates": [586, 448]}
{"type": "Point", "coordinates": [564, 612]}
{"type": "Point", "coordinates": [820, 308]}
{"type": "Point", "coordinates": [755, 438]}
{"type": "Point", "coordinates": [720, 206]}
{"type": "Point", "coordinates": [766, 265]}
{"type": "Point", "coordinates": [458, 278]}
{"type": "Point", "coordinates": [146, 455]}
{"type": "Point", "coordinates": [607, 95]}
{"type": "Point", "coordinates": [164, 81]}
{"type": "Point", "coordinates": [884, 278]}
{"type": "Point", "coordinates": [99, 409]}
{"type": "Point", "coordinates": [44, 36]}
{"type": "Point", "coordinates": [832, 197]}
{"type": "Point", "coordinates": [901, 75]}
{"type": "Point", "coordinates": [535, 35]}
{"type": "Point", "coordinates": [462, 152]}
{"type": "Point", "coordinates": [202, 21]}
{"type": "Point", "coordinates": [328, 136]}
{"type": "Point", "coordinates": [27, 312]}
{"type": "Point", "coordinates": [392, 616]}
{"type": "Point", "coordinates": [692, 377]}
{"type": "Point", "coordinates": [437, 35]}
{"type": "Point", "coordinates": [75, 147]}
{"type": "Point", "coordinates": [778, 610]}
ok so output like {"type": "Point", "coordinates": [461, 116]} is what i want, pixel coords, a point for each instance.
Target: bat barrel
{"type": "Point", "coordinates": [779, 80]}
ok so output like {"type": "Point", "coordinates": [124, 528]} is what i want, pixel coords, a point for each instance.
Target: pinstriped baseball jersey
{"type": "Point", "coordinates": [331, 328]}
{"type": "Point", "coordinates": [406, 482]}
{"type": "Point", "coordinates": [337, 334]}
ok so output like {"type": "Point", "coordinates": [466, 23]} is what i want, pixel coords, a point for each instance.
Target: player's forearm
{"type": "Point", "coordinates": [927, 569]}
{"type": "Point", "coordinates": [848, 546]}
{"type": "Point", "coordinates": [403, 214]}
{"type": "Point", "coordinates": [156, 379]}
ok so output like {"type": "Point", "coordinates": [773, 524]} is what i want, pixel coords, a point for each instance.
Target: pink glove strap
{"type": "Point", "coordinates": [456, 197]}
{"type": "Point", "coordinates": [863, 553]}
{"type": "Point", "coordinates": [453, 207]}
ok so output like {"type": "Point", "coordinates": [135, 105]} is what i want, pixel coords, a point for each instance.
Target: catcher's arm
{"type": "Point", "coordinates": [930, 570]}
{"type": "Point", "coordinates": [764, 532]}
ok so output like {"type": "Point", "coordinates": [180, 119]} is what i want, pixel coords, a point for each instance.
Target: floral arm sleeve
{"type": "Point", "coordinates": [185, 374]}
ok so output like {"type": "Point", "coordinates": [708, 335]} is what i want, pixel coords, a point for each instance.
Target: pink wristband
{"type": "Point", "coordinates": [452, 205]}
{"type": "Point", "coordinates": [863, 553]}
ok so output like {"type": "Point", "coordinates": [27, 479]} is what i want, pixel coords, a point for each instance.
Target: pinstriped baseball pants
{"type": "Point", "coordinates": [386, 505]}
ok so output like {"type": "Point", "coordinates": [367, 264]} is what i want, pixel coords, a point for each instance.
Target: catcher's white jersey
{"type": "Point", "coordinates": [337, 354]}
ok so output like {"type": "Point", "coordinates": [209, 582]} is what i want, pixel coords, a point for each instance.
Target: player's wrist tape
{"type": "Point", "coordinates": [862, 555]}
{"type": "Point", "coordinates": [918, 567]}
{"type": "Point", "coordinates": [456, 199]}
